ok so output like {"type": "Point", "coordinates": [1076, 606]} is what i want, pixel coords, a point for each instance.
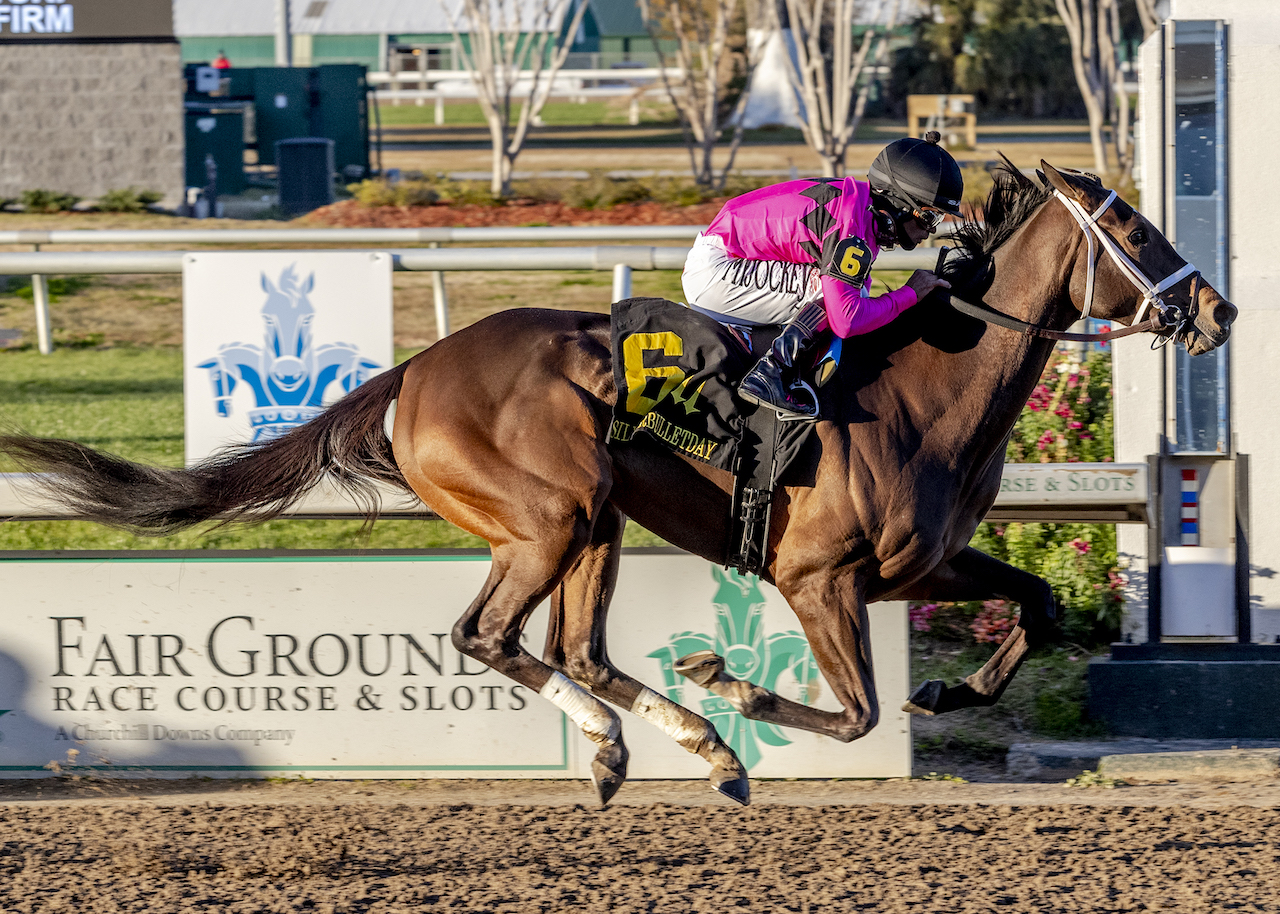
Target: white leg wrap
{"type": "Point", "coordinates": [672, 719]}
{"type": "Point", "coordinates": [389, 420]}
{"type": "Point", "coordinates": [591, 716]}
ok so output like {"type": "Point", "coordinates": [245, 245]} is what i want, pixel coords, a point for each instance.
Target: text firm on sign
{"type": "Point", "coordinates": [51, 17]}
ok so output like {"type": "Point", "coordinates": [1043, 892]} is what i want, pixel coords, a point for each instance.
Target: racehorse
{"type": "Point", "coordinates": [501, 429]}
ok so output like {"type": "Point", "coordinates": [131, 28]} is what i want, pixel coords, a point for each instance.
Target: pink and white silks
{"type": "Point", "coordinates": [767, 252]}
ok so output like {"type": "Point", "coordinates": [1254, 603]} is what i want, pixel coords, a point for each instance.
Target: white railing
{"type": "Point", "coordinates": [1061, 492]}
{"type": "Point", "coordinates": [377, 236]}
{"type": "Point", "coordinates": [437, 85]}
{"type": "Point", "coordinates": [620, 259]}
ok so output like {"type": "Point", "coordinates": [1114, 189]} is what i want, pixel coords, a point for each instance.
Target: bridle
{"type": "Point", "coordinates": [1171, 315]}
{"type": "Point", "coordinates": [1168, 323]}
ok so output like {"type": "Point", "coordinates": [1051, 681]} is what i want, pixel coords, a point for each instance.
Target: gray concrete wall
{"type": "Point", "coordinates": [88, 118]}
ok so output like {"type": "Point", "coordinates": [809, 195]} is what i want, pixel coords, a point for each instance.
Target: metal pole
{"type": "Point", "coordinates": [441, 301]}
{"type": "Point", "coordinates": [284, 44]}
{"type": "Point", "coordinates": [621, 282]}
{"type": "Point", "coordinates": [439, 109]}
{"type": "Point", "coordinates": [1244, 607]}
{"type": "Point", "coordinates": [44, 334]}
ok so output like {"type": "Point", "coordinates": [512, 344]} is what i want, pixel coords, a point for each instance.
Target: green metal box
{"type": "Point", "coordinates": [342, 113]}
{"type": "Point", "coordinates": [282, 105]}
{"type": "Point", "coordinates": [218, 132]}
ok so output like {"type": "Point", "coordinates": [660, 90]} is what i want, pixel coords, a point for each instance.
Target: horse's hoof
{"type": "Point", "coordinates": [926, 698]}
{"type": "Point", "coordinates": [609, 771]}
{"type": "Point", "coordinates": [701, 667]}
{"type": "Point", "coordinates": [735, 787]}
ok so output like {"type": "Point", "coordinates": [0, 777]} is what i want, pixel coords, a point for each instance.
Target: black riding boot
{"type": "Point", "coordinates": [774, 381]}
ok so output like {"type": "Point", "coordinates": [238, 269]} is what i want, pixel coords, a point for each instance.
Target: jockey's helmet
{"type": "Point", "coordinates": [912, 174]}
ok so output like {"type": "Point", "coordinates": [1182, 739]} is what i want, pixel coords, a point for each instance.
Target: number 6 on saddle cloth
{"type": "Point", "coordinates": [676, 371]}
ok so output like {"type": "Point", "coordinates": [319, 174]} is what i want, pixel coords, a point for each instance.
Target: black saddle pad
{"type": "Point", "coordinates": [676, 372]}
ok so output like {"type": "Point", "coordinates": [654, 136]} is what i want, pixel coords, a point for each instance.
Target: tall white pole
{"type": "Point", "coordinates": [44, 329]}
{"type": "Point", "coordinates": [284, 44]}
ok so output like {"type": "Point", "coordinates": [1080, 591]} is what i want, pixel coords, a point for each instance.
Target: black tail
{"type": "Point", "coordinates": [252, 482]}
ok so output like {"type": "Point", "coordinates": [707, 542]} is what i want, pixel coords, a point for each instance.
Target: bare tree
{"type": "Point", "coordinates": [1149, 17]}
{"type": "Point", "coordinates": [516, 48]}
{"type": "Point", "coordinates": [715, 62]}
{"type": "Point", "coordinates": [827, 67]}
{"type": "Point", "coordinates": [1093, 28]}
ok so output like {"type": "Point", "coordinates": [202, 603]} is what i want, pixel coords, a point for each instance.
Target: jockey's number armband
{"type": "Point", "coordinates": [850, 261]}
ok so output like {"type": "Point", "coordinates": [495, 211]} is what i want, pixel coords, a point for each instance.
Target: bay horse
{"type": "Point", "coordinates": [501, 430]}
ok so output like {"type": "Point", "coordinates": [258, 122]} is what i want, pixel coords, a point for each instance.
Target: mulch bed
{"type": "Point", "coordinates": [351, 214]}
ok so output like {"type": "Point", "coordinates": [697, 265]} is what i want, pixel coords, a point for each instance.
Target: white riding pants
{"type": "Point", "coordinates": [740, 291]}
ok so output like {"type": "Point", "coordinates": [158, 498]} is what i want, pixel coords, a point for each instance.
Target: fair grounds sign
{"type": "Point", "coordinates": [86, 20]}
{"type": "Point", "coordinates": [343, 667]}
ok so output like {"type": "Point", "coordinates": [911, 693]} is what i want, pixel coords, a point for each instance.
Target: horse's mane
{"type": "Point", "coordinates": [1013, 199]}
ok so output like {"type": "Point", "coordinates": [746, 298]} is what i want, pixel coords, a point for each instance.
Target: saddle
{"type": "Point", "coordinates": [676, 372]}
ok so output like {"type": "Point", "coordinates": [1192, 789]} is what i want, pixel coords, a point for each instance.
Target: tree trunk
{"type": "Point", "coordinates": [833, 105]}
{"type": "Point", "coordinates": [700, 31]}
{"type": "Point", "coordinates": [1079, 18]}
{"type": "Point", "coordinates": [503, 46]}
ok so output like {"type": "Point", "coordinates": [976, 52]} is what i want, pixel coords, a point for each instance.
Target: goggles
{"type": "Point", "coordinates": [930, 219]}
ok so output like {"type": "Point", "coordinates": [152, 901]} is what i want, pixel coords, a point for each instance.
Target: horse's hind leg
{"type": "Point", "coordinates": [576, 644]}
{"type": "Point", "coordinates": [490, 632]}
{"type": "Point", "coordinates": [973, 575]}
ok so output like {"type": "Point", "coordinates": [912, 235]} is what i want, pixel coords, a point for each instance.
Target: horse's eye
{"type": "Point", "coordinates": [1138, 237]}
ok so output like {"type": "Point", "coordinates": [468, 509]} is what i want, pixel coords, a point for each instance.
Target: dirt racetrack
{"type": "Point", "coordinates": [523, 847]}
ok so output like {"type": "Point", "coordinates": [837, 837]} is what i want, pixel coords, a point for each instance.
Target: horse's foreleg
{"type": "Point", "coordinates": [834, 617]}
{"type": "Point", "coordinates": [576, 645]}
{"type": "Point", "coordinates": [973, 575]}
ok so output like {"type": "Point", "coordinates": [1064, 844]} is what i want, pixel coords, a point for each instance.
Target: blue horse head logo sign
{"type": "Point", "coordinates": [289, 375]}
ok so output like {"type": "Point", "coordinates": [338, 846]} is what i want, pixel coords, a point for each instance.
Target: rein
{"type": "Point", "coordinates": [1168, 322]}
{"type": "Point", "coordinates": [999, 319]}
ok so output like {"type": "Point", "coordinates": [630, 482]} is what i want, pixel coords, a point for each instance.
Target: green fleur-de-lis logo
{"type": "Point", "coordinates": [748, 654]}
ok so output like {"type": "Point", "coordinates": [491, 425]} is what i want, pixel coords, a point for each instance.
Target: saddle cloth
{"type": "Point", "coordinates": [676, 372]}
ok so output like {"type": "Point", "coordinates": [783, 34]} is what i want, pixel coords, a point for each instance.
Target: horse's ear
{"type": "Point", "coordinates": [309, 284]}
{"type": "Point", "coordinates": [1014, 171]}
{"type": "Point", "coordinates": [267, 286]}
{"type": "Point", "coordinates": [1087, 190]}
{"type": "Point", "coordinates": [1058, 181]}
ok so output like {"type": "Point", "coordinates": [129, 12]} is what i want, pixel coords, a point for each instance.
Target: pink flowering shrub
{"type": "Point", "coordinates": [1067, 420]}
{"type": "Point", "coordinates": [1068, 415]}
{"type": "Point", "coordinates": [994, 621]}
{"type": "Point", "coordinates": [920, 614]}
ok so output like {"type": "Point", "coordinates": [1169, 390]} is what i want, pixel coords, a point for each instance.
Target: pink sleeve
{"type": "Point", "coordinates": [849, 314]}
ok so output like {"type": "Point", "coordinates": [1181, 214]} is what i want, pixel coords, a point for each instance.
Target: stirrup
{"type": "Point", "coordinates": [784, 413]}
{"type": "Point", "coordinates": [788, 415]}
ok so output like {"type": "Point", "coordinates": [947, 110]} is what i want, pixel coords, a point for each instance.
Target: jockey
{"type": "Point", "coordinates": [800, 253]}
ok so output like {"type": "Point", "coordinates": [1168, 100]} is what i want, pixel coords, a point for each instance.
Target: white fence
{"type": "Point", "coordinates": [437, 85]}
{"type": "Point", "coordinates": [1080, 492]}
{"type": "Point", "coordinates": [620, 259]}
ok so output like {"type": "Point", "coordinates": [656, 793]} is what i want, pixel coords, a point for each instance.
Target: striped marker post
{"type": "Point", "coordinates": [1191, 507]}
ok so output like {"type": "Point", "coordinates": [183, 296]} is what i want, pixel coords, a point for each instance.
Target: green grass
{"type": "Point", "coordinates": [129, 401]}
